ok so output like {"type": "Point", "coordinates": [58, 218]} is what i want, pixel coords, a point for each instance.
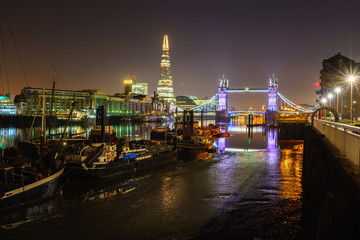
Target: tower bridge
{"type": "Point", "coordinates": [219, 103]}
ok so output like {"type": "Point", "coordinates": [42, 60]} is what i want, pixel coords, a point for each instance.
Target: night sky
{"type": "Point", "coordinates": [96, 44]}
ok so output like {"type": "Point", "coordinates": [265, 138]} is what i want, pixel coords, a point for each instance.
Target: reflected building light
{"type": "Point", "coordinates": [272, 139]}
{"type": "Point", "coordinates": [244, 150]}
{"type": "Point", "coordinates": [272, 146]}
{"type": "Point", "coordinates": [244, 129]}
{"type": "Point", "coordinates": [221, 145]}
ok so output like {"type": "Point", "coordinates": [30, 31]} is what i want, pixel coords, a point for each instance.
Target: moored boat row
{"type": "Point", "coordinates": [99, 157]}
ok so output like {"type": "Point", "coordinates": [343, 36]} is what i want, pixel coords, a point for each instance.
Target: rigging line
{"type": "Point", "coordinates": [2, 82]}
{"type": "Point", "coordinates": [37, 39]}
{"type": "Point", "coordinates": [14, 42]}
{"type": "Point", "coordinates": [4, 58]}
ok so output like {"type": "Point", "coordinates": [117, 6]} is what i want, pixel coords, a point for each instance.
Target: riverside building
{"type": "Point", "coordinates": [128, 85]}
{"type": "Point", "coordinates": [7, 106]}
{"type": "Point", "coordinates": [334, 74]}
{"type": "Point", "coordinates": [140, 88]}
{"type": "Point", "coordinates": [87, 101]}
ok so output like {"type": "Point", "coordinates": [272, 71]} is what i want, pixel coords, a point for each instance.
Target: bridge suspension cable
{"type": "Point", "coordinates": [208, 102]}
{"type": "Point", "coordinates": [206, 105]}
{"type": "Point", "coordinates": [291, 104]}
{"type": "Point", "coordinates": [201, 106]}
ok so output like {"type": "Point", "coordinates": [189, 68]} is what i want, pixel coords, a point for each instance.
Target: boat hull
{"type": "Point", "coordinates": [32, 193]}
{"type": "Point", "coordinates": [188, 152]}
{"type": "Point", "coordinates": [156, 161]}
{"type": "Point", "coordinates": [113, 169]}
{"type": "Point", "coordinates": [124, 168]}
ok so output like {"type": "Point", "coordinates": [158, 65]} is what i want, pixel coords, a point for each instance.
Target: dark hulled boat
{"type": "Point", "coordinates": [107, 159]}
{"type": "Point", "coordinates": [21, 195]}
{"type": "Point", "coordinates": [32, 172]}
{"type": "Point", "coordinates": [29, 179]}
{"type": "Point", "coordinates": [104, 161]}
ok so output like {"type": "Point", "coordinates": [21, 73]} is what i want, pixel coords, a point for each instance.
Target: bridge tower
{"type": "Point", "coordinates": [223, 94]}
{"type": "Point", "coordinates": [222, 112]}
{"type": "Point", "coordinates": [272, 113]}
{"type": "Point", "coordinates": [272, 94]}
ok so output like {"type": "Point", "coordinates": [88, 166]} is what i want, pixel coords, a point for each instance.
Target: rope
{"type": "Point", "coordinates": [4, 58]}
{"type": "Point", "coordinates": [14, 42]}
{"type": "Point", "coordinates": [36, 38]}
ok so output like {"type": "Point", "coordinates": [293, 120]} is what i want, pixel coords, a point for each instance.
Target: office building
{"type": "Point", "coordinates": [140, 88]}
{"type": "Point", "coordinates": [128, 83]}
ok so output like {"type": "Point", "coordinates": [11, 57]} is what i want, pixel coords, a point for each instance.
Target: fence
{"type": "Point", "coordinates": [346, 138]}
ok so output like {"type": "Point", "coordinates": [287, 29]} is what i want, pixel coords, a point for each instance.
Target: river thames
{"type": "Point", "coordinates": [249, 189]}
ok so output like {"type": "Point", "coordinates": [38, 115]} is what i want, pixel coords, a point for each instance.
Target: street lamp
{"type": "Point", "coordinates": [337, 91]}
{"type": "Point", "coordinates": [330, 97]}
{"type": "Point", "coordinates": [323, 101]}
{"type": "Point", "coordinates": [351, 79]}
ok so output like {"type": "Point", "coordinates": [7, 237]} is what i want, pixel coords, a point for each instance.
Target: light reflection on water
{"type": "Point", "coordinates": [8, 136]}
{"type": "Point", "coordinates": [183, 199]}
{"type": "Point", "coordinates": [291, 171]}
{"type": "Point", "coordinates": [130, 131]}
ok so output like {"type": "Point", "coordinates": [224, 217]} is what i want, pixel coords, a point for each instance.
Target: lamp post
{"type": "Point", "coordinates": [351, 79]}
{"type": "Point", "coordinates": [330, 97]}
{"type": "Point", "coordinates": [323, 101]}
{"type": "Point", "coordinates": [337, 91]}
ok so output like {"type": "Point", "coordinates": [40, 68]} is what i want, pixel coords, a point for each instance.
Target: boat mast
{"type": "Point", "coordinates": [51, 104]}
{"type": "Point", "coordinates": [43, 119]}
{"type": "Point", "coordinates": [65, 128]}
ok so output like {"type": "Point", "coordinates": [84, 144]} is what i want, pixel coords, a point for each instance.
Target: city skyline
{"type": "Point", "coordinates": [99, 44]}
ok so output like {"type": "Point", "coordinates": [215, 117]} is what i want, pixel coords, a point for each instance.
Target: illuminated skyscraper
{"type": "Point", "coordinates": [128, 83]}
{"type": "Point", "coordinates": [165, 85]}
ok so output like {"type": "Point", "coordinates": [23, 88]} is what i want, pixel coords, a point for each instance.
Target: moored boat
{"type": "Point", "coordinates": [104, 161]}
{"type": "Point", "coordinates": [30, 182]}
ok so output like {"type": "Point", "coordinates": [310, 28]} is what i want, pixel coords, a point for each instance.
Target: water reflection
{"type": "Point", "coordinates": [8, 136]}
{"type": "Point", "coordinates": [172, 194]}
{"type": "Point", "coordinates": [291, 170]}
{"type": "Point", "coordinates": [284, 161]}
{"type": "Point", "coordinates": [258, 138]}
{"type": "Point", "coordinates": [180, 199]}
{"type": "Point", "coordinates": [222, 142]}
{"type": "Point", "coordinates": [129, 131]}
{"type": "Point", "coordinates": [22, 215]}
{"type": "Point", "coordinates": [272, 139]}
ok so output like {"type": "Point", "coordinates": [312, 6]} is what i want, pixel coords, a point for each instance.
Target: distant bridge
{"type": "Point", "coordinates": [220, 101]}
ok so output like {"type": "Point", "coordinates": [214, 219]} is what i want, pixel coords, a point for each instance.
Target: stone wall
{"type": "Point", "coordinates": [331, 191]}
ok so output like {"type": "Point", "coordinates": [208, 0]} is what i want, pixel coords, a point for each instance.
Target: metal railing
{"type": "Point", "coordinates": [346, 138]}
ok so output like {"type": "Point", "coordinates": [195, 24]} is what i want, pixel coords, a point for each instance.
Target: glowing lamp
{"type": "Point", "coordinates": [351, 78]}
